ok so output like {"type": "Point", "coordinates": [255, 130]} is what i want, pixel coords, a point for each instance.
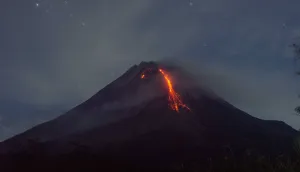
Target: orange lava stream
{"type": "Point", "coordinates": [174, 98]}
{"type": "Point", "coordinates": [175, 101]}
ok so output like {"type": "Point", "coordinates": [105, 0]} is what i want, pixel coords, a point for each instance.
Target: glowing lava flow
{"type": "Point", "coordinates": [175, 101]}
{"type": "Point", "coordinates": [174, 98]}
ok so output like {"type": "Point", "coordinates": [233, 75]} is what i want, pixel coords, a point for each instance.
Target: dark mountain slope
{"type": "Point", "coordinates": [130, 121]}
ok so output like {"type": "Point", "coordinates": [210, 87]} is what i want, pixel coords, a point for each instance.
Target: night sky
{"type": "Point", "coordinates": [55, 54]}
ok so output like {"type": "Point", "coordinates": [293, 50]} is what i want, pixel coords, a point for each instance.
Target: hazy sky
{"type": "Point", "coordinates": [59, 53]}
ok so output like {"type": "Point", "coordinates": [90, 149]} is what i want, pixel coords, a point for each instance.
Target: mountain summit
{"type": "Point", "coordinates": [153, 113]}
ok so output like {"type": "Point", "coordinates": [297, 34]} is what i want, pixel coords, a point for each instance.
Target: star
{"type": "Point", "coordinates": [37, 5]}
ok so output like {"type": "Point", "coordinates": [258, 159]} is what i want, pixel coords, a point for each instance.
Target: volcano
{"type": "Point", "coordinates": [154, 115]}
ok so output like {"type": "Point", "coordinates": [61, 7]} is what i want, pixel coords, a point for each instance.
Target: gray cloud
{"type": "Point", "coordinates": [264, 94]}
{"type": "Point", "coordinates": [50, 59]}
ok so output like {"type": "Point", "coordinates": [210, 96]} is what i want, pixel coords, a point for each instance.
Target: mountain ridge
{"type": "Point", "coordinates": [131, 118]}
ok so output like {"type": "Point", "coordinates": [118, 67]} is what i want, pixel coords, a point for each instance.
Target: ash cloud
{"type": "Point", "coordinates": [266, 95]}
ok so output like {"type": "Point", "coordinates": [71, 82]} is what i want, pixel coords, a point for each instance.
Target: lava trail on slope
{"type": "Point", "coordinates": [175, 101]}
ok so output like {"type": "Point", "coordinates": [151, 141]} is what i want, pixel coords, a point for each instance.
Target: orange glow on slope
{"type": "Point", "coordinates": [175, 101]}
{"type": "Point", "coordinates": [174, 98]}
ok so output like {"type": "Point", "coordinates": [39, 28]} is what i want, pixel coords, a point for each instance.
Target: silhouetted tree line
{"type": "Point", "coordinates": [81, 159]}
